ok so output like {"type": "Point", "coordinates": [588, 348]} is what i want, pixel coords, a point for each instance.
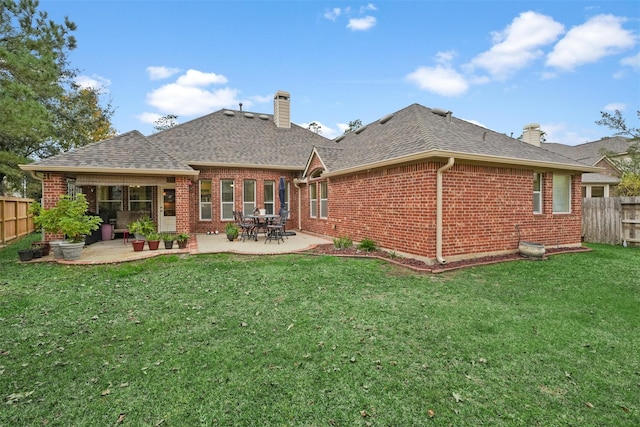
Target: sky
{"type": "Point", "coordinates": [499, 64]}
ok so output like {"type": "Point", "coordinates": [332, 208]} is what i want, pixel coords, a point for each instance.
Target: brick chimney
{"type": "Point", "coordinates": [282, 109]}
{"type": "Point", "coordinates": [531, 134]}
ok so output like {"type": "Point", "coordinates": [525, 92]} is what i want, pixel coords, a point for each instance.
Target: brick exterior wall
{"type": "Point", "coordinates": [396, 207]}
{"type": "Point", "coordinates": [238, 176]}
{"type": "Point", "coordinates": [54, 185]}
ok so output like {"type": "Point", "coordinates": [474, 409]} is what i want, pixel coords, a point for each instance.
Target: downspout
{"type": "Point", "coordinates": [444, 168]}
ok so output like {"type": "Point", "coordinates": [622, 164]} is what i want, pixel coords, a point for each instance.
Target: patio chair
{"type": "Point", "coordinates": [275, 230]}
{"type": "Point", "coordinates": [246, 226]}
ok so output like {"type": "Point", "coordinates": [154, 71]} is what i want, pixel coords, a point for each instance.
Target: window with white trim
{"type": "Point", "coordinates": [537, 193]}
{"type": "Point", "coordinates": [561, 193]}
{"type": "Point", "coordinates": [109, 201]}
{"type": "Point", "coordinates": [206, 208]}
{"type": "Point", "coordinates": [226, 199]}
{"type": "Point", "coordinates": [313, 201]}
{"type": "Point", "coordinates": [140, 198]}
{"type": "Point", "coordinates": [269, 196]}
{"type": "Point", "coordinates": [248, 196]}
{"type": "Point", "coordinates": [324, 201]}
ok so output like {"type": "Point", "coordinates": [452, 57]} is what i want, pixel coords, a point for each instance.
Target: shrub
{"type": "Point", "coordinates": [342, 242]}
{"type": "Point", "coordinates": [367, 245]}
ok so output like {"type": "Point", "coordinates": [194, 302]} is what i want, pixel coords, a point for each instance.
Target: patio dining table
{"type": "Point", "coordinates": [260, 221]}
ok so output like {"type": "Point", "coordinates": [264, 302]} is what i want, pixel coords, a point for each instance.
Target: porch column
{"type": "Point", "coordinates": [183, 212]}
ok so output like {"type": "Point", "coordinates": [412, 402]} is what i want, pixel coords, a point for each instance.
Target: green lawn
{"type": "Point", "coordinates": [299, 340]}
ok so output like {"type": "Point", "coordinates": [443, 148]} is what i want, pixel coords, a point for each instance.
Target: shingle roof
{"type": "Point", "coordinates": [239, 138]}
{"type": "Point", "coordinates": [125, 152]}
{"type": "Point", "coordinates": [417, 129]}
{"type": "Point", "coordinates": [590, 152]}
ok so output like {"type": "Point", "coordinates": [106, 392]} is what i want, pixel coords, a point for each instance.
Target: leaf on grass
{"type": "Point", "coordinates": [431, 413]}
{"type": "Point", "coordinates": [589, 405]}
{"type": "Point", "coordinates": [121, 418]}
{"type": "Point", "coordinates": [457, 397]}
{"type": "Point", "coordinates": [625, 409]}
{"type": "Point", "coordinates": [364, 414]}
{"type": "Point", "coordinates": [105, 392]}
{"type": "Point", "coordinates": [289, 327]}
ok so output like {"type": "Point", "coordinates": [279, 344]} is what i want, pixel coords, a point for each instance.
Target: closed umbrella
{"type": "Point", "coordinates": [281, 194]}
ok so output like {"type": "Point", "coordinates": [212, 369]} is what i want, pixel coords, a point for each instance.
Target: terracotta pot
{"type": "Point", "coordinates": [138, 245]}
{"type": "Point", "coordinates": [153, 244]}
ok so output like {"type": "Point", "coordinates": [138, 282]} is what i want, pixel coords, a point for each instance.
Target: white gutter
{"type": "Point", "coordinates": [439, 209]}
{"type": "Point", "coordinates": [296, 184]}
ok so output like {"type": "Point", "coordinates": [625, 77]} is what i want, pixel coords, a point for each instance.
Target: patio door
{"type": "Point", "coordinates": [167, 209]}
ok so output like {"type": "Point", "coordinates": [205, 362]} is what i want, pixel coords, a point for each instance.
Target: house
{"type": "Point", "coordinates": [418, 181]}
{"type": "Point", "coordinates": [594, 153]}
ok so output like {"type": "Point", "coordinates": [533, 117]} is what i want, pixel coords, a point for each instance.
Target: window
{"type": "Point", "coordinates": [109, 201]}
{"type": "Point", "coordinates": [324, 202]}
{"type": "Point", "coordinates": [140, 198]}
{"type": "Point", "coordinates": [597, 191]}
{"type": "Point", "coordinates": [313, 201]}
{"type": "Point", "coordinates": [205, 200]}
{"type": "Point", "coordinates": [561, 193]}
{"type": "Point", "coordinates": [248, 197]}
{"type": "Point", "coordinates": [226, 199]}
{"type": "Point", "coordinates": [537, 193]}
{"type": "Point", "coordinates": [269, 196]}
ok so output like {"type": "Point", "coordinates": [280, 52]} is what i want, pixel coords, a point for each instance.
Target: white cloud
{"type": "Point", "coordinates": [94, 81]}
{"type": "Point", "coordinates": [147, 117]}
{"type": "Point", "coordinates": [161, 72]}
{"type": "Point", "coordinates": [361, 24]}
{"type": "Point", "coordinates": [518, 45]}
{"type": "Point", "coordinates": [615, 106]}
{"type": "Point", "coordinates": [333, 13]}
{"type": "Point", "coordinates": [632, 61]}
{"type": "Point", "coordinates": [198, 78]}
{"type": "Point", "coordinates": [190, 95]}
{"type": "Point", "coordinates": [600, 36]}
{"type": "Point", "coordinates": [368, 7]}
{"type": "Point", "coordinates": [440, 79]}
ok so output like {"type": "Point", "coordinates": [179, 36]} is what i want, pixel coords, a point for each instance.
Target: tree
{"type": "Point", "coordinates": [353, 126]}
{"type": "Point", "coordinates": [315, 128]}
{"type": "Point", "coordinates": [629, 165]}
{"type": "Point", "coordinates": [617, 123]}
{"type": "Point", "coordinates": [42, 112]}
{"type": "Point", "coordinates": [165, 122]}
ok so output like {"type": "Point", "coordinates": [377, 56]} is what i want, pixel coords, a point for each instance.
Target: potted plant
{"type": "Point", "coordinates": [182, 239]}
{"type": "Point", "coordinates": [142, 227]}
{"type": "Point", "coordinates": [168, 239]}
{"type": "Point", "coordinates": [232, 231]}
{"type": "Point", "coordinates": [153, 240]}
{"type": "Point", "coordinates": [48, 220]}
{"type": "Point", "coordinates": [69, 217]}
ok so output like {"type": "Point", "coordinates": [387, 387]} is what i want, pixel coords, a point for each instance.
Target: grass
{"type": "Point", "coordinates": [299, 340]}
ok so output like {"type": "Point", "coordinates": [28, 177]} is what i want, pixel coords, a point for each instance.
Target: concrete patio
{"type": "Point", "coordinates": [115, 251]}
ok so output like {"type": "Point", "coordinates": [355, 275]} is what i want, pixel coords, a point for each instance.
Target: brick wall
{"type": "Point", "coordinates": [238, 176]}
{"type": "Point", "coordinates": [54, 185]}
{"type": "Point", "coordinates": [396, 207]}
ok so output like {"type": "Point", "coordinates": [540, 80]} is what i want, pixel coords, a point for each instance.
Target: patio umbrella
{"type": "Point", "coordinates": [281, 194]}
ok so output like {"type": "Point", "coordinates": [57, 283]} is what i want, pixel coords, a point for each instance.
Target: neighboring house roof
{"type": "Point", "coordinates": [599, 178]}
{"type": "Point", "coordinates": [130, 153]}
{"type": "Point", "coordinates": [236, 138]}
{"type": "Point", "coordinates": [419, 132]}
{"type": "Point", "coordinates": [591, 152]}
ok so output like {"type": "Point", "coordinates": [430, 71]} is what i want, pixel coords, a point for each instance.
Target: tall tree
{"type": "Point", "coordinates": [42, 112]}
{"type": "Point", "coordinates": [165, 122]}
{"type": "Point", "coordinates": [628, 165]}
{"type": "Point", "coordinates": [315, 128]}
{"type": "Point", "coordinates": [353, 126]}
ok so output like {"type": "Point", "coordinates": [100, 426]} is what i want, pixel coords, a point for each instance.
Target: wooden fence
{"type": "Point", "coordinates": [611, 220]}
{"type": "Point", "coordinates": [15, 219]}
